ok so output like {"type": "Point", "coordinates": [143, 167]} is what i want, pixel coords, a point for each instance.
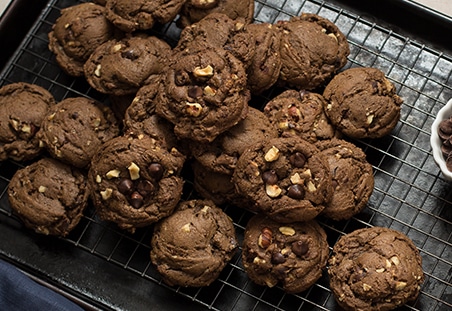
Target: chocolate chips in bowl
{"type": "Point", "coordinates": [441, 140]}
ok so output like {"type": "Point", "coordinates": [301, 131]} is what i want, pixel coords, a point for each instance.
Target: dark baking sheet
{"type": "Point", "coordinates": [105, 268]}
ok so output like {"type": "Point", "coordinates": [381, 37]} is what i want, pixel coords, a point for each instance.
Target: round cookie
{"type": "Point", "coordinates": [375, 269]}
{"type": "Point", "coordinates": [362, 103]}
{"type": "Point", "coordinates": [134, 181]}
{"type": "Point", "coordinates": [293, 254]}
{"type": "Point", "coordinates": [352, 175]}
{"type": "Point", "coordinates": [286, 178]}
{"type": "Point", "coordinates": [75, 127]}
{"type": "Point", "coordinates": [221, 155]}
{"type": "Point", "coordinates": [135, 15]}
{"type": "Point", "coordinates": [78, 31]}
{"type": "Point", "coordinates": [203, 94]}
{"type": "Point", "coordinates": [121, 67]}
{"type": "Point", "coordinates": [193, 245]}
{"type": "Point", "coordinates": [49, 196]}
{"type": "Point", "coordinates": [195, 10]}
{"type": "Point", "coordinates": [313, 49]}
{"type": "Point", "coordinates": [219, 31]}
{"type": "Point", "coordinates": [23, 107]}
{"type": "Point", "coordinates": [263, 70]}
{"type": "Point", "coordinates": [300, 113]}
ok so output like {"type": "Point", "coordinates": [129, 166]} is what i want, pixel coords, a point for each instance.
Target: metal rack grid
{"type": "Point", "coordinates": [410, 194]}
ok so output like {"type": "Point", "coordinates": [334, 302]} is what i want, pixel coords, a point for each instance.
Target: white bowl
{"type": "Point", "coordinates": [435, 141]}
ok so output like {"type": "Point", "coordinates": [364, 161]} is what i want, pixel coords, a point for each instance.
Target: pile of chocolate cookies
{"type": "Point", "coordinates": [184, 112]}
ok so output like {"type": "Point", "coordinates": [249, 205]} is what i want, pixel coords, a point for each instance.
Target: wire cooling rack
{"type": "Point", "coordinates": [410, 194]}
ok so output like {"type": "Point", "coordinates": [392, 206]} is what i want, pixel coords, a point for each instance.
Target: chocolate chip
{"type": "Point", "coordinates": [125, 186]}
{"type": "Point", "coordinates": [195, 91]}
{"type": "Point", "coordinates": [445, 129]}
{"type": "Point", "coordinates": [145, 187]}
{"type": "Point", "coordinates": [278, 258]}
{"type": "Point", "coordinates": [181, 77]}
{"type": "Point", "coordinates": [303, 93]}
{"type": "Point", "coordinates": [74, 115]}
{"type": "Point", "coordinates": [270, 177]}
{"type": "Point", "coordinates": [129, 54]}
{"type": "Point", "coordinates": [156, 171]}
{"type": "Point", "coordinates": [297, 159]}
{"type": "Point", "coordinates": [136, 200]}
{"type": "Point", "coordinates": [296, 192]}
{"type": "Point", "coordinates": [300, 248]}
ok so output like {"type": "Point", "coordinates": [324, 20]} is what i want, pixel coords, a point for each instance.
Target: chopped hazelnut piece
{"type": "Point", "coordinates": [186, 228]}
{"type": "Point", "coordinates": [42, 189]}
{"type": "Point", "coordinates": [295, 179]}
{"type": "Point", "coordinates": [366, 287]}
{"type": "Point", "coordinates": [98, 179]}
{"type": "Point", "coordinates": [113, 174]}
{"type": "Point", "coordinates": [272, 154]}
{"type": "Point", "coordinates": [400, 285]}
{"type": "Point", "coordinates": [311, 186]}
{"type": "Point", "coordinates": [106, 194]}
{"type": "Point", "coordinates": [97, 71]}
{"type": "Point", "coordinates": [203, 72]}
{"type": "Point", "coordinates": [287, 230]}
{"type": "Point", "coordinates": [134, 171]}
{"type": "Point", "coordinates": [193, 109]}
{"type": "Point", "coordinates": [272, 191]}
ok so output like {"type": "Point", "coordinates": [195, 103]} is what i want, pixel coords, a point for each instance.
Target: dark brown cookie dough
{"type": "Point", "coordinates": [203, 94]}
{"type": "Point", "coordinates": [293, 254]}
{"type": "Point", "coordinates": [75, 127]}
{"type": "Point", "coordinates": [313, 49]}
{"type": "Point", "coordinates": [135, 15]}
{"type": "Point", "coordinates": [362, 103]}
{"type": "Point", "coordinates": [195, 10]}
{"type": "Point", "coordinates": [77, 33]}
{"type": "Point", "coordinates": [23, 107]}
{"type": "Point", "coordinates": [352, 175]}
{"type": "Point", "coordinates": [375, 269]}
{"type": "Point", "coordinates": [134, 182]}
{"type": "Point", "coordinates": [49, 196]}
{"type": "Point", "coordinates": [193, 245]}
{"type": "Point", "coordinates": [120, 67]}
{"type": "Point", "coordinates": [219, 31]}
{"type": "Point", "coordinates": [265, 65]}
{"type": "Point", "coordinates": [286, 178]}
{"type": "Point", "coordinates": [300, 113]}
{"type": "Point", "coordinates": [221, 155]}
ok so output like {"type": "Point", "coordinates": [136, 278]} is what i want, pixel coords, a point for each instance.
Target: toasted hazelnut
{"type": "Point", "coordinates": [289, 231]}
{"type": "Point", "coordinates": [395, 260]}
{"type": "Point", "coordinates": [42, 189]}
{"type": "Point", "coordinates": [106, 194]}
{"type": "Point", "coordinates": [113, 174]}
{"type": "Point", "coordinates": [265, 238]}
{"type": "Point", "coordinates": [134, 171]}
{"type": "Point", "coordinates": [186, 227]}
{"type": "Point", "coordinates": [203, 72]}
{"type": "Point", "coordinates": [272, 154]}
{"type": "Point", "coordinates": [400, 285]}
{"type": "Point", "coordinates": [295, 179]}
{"type": "Point", "coordinates": [97, 71]}
{"type": "Point", "coordinates": [272, 191]}
{"type": "Point", "coordinates": [15, 125]}
{"type": "Point", "coordinates": [380, 270]}
{"type": "Point", "coordinates": [332, 35]}
{"type": "Point", "coordinates": [115, 48]}
{"type": "Point", "coordinates": [209, 91]}
{"type": "Point", "coordinates": [311, 186]}
{"type": "Point", "coordinates": [258, 260]}
{"type": "Point", "coordinates": [26, 128]}
{"type": "Point", "coordinates": [193, 109]}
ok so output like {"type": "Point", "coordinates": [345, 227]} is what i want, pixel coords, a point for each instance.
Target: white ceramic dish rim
{"type": "Point", "coordinates": [436, 142]}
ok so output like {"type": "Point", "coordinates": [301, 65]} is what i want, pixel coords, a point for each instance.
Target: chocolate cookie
{"type": "Point", "coordinates": [203, 94]}
{"type": "Point", "coordinates": [219, 31]}
{"type": "Point", "coordinates": [293, 254]}
{"type": "Point", "coordinates": [77, 33]}
{"type": "Point", "coordinates": [75, 127]}
{"type": "Point", "coordinates": [286, 178]}
{"type": "Point", "coordinates": [265, 65]}
{"type": "Point", "coordinates": [195, 10]}
{"type": "Point", "coordinates": [135, 15]}
{"type": "Point", "coordinates": [193, 245]}
{"type": "Point", "coordinates": [140, 117]}
{"type": "Point", "coordinates": [120, 67]}
{"type": "Point", "coordinates": [375, 269]}
{"type": "Point", "coordinates": [313, 49]}
{"type": "Point", "coordinates": [134, 181]}
{"type": "Point", "coordinates": [353, 180]}
{"type": "Point", "coordinates": [300, 113]}
{"type": "Point", "coordinates": [362, 103]}
{"type": "Point", "coordinates": [49, 196]}
{"type": "Point", "coordinates": [221, 155]}
{"type": "Point", "coordinates": [23, 107]}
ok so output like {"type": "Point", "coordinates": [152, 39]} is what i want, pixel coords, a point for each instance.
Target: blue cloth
{"type": "Point", "coordinates": [18, 292]}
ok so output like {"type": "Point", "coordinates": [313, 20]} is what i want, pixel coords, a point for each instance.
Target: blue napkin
{"type": "Point", "coordinates": [19, 293]}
